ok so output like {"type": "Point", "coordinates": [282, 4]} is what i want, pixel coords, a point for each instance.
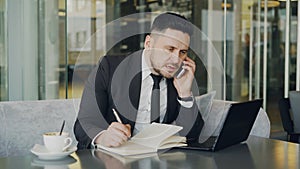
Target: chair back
{"type": "Point", "coordinates": [284, 108]}
{"type": "Point", "coordinates": [294, 97]}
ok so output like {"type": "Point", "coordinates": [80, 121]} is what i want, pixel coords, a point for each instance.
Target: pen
{"type": "Point", "coordinates": [117, 116]}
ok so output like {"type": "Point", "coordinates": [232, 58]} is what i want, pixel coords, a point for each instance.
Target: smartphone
{"type": "Point", "coordinates": [180, 72]}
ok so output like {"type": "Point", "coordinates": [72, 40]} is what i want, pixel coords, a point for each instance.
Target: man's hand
{"type": "Point", "coordinates": [115, 135]}
{"type": "Point", "coordinates": [183, 85]}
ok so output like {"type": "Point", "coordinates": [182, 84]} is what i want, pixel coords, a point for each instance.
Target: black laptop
{"type": "Point", "coordinates": [236, 127]}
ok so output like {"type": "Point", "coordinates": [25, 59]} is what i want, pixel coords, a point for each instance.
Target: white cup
{"type": "Point", "coordinates": [57, 143]}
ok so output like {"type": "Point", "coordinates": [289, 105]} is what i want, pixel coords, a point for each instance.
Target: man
{"type": "Point", "coordinates": [126, 84]}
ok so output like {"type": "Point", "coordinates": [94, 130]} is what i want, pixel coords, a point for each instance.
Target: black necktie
{"type": "Point", "coordinates": [155, 99]}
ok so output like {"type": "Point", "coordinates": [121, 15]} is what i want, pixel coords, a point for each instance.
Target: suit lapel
{"type": "Point", "coordinates": [135, 90]}
{"type": "Point", "coordinates": [127, 87]}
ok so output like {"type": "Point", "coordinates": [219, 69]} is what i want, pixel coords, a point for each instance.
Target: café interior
{"type": "Point", "coordinates": [49, 47]}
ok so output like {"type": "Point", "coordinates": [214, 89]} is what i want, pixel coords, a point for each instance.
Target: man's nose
{"type": "Point", "coordinates": [175, 57]}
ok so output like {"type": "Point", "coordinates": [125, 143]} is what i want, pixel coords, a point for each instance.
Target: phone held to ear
{"type": "Point", "coordinates": [180, 72]}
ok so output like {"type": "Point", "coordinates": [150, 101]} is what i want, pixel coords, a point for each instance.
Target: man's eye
{"type": "Point", "coordinates": [183, 52]}
{"type": "Point", "coordinates": [171, 49]}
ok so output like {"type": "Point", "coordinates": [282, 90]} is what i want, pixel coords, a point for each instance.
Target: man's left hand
{"type": "Point", "coordinates": [183, 85]}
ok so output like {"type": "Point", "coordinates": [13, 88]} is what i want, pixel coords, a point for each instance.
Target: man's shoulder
{"type": "Point", "coordinates": [118, 58]}
{"type": "Point", "coordinates": [109, 63]}
{"type": "Point", "coordinates": [115, 58]}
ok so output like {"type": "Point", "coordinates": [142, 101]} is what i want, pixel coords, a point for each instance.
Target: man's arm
{"type": "Point", "coordinates": [189, 116]}
{"type": "Point", "coordinates": [90, 120]}
{"type": "Point", "coordinates": [94, 122]}
{"type": "Point", "coordinates": [84, 142]}
{"type": "Point", "coordinates": [191, 120]}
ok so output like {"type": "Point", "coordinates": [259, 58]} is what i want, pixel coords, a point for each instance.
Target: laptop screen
{"type": "Point", "coordinates": [238, 123]}
{"type": "Point", "coordinates": [235, 128]}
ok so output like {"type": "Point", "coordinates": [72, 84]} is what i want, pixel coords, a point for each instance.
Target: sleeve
{"type": "Point", "coordinates": [90, 121]}
{"type": "Point", "coordinates": [189, 117]}
{"type": "Point", "coordinates": [93, 141]}
{"type": "Point", "coordinates": [186, 102]}
{"type": "Point", "coordinates": [191, 121]}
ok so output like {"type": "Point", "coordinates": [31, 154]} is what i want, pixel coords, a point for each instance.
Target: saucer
{"type": "Point", "coordinates": [42, 152]}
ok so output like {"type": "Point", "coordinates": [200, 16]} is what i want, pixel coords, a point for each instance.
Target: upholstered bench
{"type": "Point", "coordinates": [22, 123]}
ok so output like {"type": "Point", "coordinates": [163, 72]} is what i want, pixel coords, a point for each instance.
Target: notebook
{"type": "Point", "coordinates": [101, 154]}
{"type": "Point", "coordinates": [235, 129]}
{"type": "Point", "coordinates": [152, 138]}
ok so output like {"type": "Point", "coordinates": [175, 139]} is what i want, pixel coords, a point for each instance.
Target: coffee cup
{"type": "Point", "coordinates": [55, 142]}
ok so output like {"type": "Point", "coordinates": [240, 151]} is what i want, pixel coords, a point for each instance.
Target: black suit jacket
{"type": "Point", "coordinates": [116, 83]}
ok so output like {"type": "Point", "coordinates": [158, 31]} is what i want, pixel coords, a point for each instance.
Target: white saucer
{"type": "Point", "coordinates": [42, 152]}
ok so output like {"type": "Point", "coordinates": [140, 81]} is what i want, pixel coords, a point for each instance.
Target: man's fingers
{"type": "Point", "coordinates": [126, 129]}
{"type": "Point", "coordinates": [117, 141]}
{"type": "Point", "coordinates": [189, 69]}
{"type": "Point", "coordinates": [113, 138]}
{"type": "Point", "coordinates": [129, 130]}
{"type": "Point", "coordinates": [116, 134]}
{"type": "Point", "coordinates": [119, 134]}
{"type": "Point", "coordinates": [114, 143]}
{"type": "Point", "coordinates": [190, 63]}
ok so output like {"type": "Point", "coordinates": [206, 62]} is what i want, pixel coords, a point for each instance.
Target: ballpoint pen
{"type": "Point", "coordinates": [118, 119]}
{"type": "Point", "coordinates": [117, 116]}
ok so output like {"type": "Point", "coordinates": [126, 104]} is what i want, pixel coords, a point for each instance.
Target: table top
{"type": "Point", "coordinates": [255, 153]}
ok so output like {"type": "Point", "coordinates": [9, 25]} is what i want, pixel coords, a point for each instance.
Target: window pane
{"type": "Point", "coordinates": [3, 56]}
{"type": "Point", "coordinates": [51, 45]}
{"type": "Point", "coordinates": [86, 41]}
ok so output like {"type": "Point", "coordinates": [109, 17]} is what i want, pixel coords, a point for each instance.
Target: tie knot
{"type": "Point", "coordinates": [156, 80]}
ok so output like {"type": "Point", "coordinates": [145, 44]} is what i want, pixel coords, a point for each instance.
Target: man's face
{"type": "Point", "coordinates": [167, 50]}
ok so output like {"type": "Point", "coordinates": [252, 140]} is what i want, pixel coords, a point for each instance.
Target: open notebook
{"type": "Point", "coordinates": [152, 138]}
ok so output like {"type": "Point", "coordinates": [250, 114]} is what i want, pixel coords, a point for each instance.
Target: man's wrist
{"type": "Point", "coordinates": [186, 99]}
{"type": "Point", "coordinates": [96, 140]}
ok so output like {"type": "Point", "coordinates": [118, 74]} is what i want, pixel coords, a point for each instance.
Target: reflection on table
{"type": "Point", "coordinates": [53, 164]}
{"type": "Point", "coordinates": [255, 153]}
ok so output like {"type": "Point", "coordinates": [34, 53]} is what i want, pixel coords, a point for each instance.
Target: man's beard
{"type": "Point", "coordinates": [161, 71]}
{"type": "Point", "coordinates": [164, 73]}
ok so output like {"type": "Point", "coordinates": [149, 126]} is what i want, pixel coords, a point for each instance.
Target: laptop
{"type": "Point", "coordinates": [236, 127]}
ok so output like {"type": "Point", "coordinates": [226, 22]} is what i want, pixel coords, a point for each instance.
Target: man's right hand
{"type": "Point", "coordinates": [115, 135]}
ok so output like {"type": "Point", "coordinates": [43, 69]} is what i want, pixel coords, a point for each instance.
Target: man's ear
{"type": "Point", "coordinates": [147, 42]}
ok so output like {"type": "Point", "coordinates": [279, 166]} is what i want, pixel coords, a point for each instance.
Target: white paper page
{"type": "Point", "coordinates": [154, 134]}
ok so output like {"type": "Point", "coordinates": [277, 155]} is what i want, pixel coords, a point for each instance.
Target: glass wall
{"type": "Point", "coordinates": [3, 56]}
{"type": "Point", "coordinates": [86, 40]}
{"type": "Point", "coordinates": [31, 38]}
{"type": "Point", "coordinates": [48, 47]}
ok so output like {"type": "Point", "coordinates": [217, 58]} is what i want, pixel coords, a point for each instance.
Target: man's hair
{"type": "Point", "coordinates": [172, 21]}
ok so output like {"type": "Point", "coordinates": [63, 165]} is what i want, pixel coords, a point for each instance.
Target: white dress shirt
{"type": "Point", "coordinates": [144, 110]}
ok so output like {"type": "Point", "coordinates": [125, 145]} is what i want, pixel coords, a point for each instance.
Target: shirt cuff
{"type": "Point", "coordinates": [186, 104]}
{"type": "Point", "coordinates": [93, 141]}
